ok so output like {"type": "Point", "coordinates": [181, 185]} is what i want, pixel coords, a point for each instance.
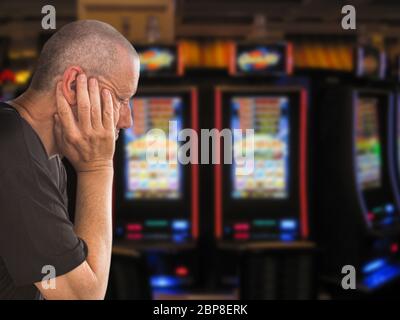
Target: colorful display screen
{"type": "Point", "coordinates": [269, 117]}
{"type": "Point", "coordinates": [261, 59]}
{"type": "Point", "coordinates": [151, 167]}
{"type": "Point", "coordinates": [368, 147]}
{"type": "Point", "coordinates": [157, 60]}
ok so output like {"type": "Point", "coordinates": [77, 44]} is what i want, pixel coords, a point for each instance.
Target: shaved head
{"type": "Point", "coordinates": [94, 46]}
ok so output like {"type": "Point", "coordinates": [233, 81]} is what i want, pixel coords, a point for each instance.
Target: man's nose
{"type": "Point", "coordinates": [125, 118]}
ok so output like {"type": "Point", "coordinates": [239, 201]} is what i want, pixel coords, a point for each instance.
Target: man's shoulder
{"type": "Point", "coordinates": [22, 150]}
{"type": "Point", "coordinates": [9, 117]}
{"type": "Point", "coordinates": [10, 125]}
{"type": "Point", "coordinates": [12, 143]}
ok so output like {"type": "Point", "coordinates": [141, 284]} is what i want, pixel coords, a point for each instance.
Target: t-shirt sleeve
{"type": "Point", "coordinates": [35, 232]}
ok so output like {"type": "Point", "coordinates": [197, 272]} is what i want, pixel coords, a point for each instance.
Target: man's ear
{"type": "Point", "coordinates": [69, 84]}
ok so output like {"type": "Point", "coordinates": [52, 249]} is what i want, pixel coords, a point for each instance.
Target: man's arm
{"type": "Point", "coordinates": [93, 225]}
{"type": "Point", "coordinates": [89, 145]}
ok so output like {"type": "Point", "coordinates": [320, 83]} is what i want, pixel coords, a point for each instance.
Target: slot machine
{"type": "Point", "coordinates": [358, 199]}
{"type": "Point", "coordinates": [261, 201]}
{"type": "Point", "coordinates": [156, 196]}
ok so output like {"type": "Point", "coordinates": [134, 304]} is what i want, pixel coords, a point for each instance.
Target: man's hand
{"type": "Point", "coordinates": [89, 141]}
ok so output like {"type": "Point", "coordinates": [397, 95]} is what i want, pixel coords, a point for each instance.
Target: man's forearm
{"type": "Point", "coordinates": [93, 220]}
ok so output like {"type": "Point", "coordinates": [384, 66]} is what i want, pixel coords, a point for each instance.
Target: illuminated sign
{"type": "Point", "coordinates": [261, 59]}
{"type": "Point", "coordinates": [158, 60]}
{"type": "Point", "coordinates": [258, 59]}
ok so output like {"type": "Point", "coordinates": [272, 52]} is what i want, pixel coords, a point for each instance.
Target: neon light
{"type": "Point", "coordinates": [241, 236]}
{"type": "Point", "coordinates": [389, 208]}
{"type": "Point", "coordinates": [377, 209]}
{"type": "Point", "coordinates": [163, 281]}
{"type": "Point", "coordinates": [394, 247]}
{"type": "Point", "coordinates": [180, 225]}
{"type": "Point", "coordinates": [382, 276]}
{"type": "Point", "coordinates": [178, 238]}
{"type": "Point", "coordinates": [288, 224]}
{"type": "Point", "coordinates": [287, 237]}
{"type": "Point", "coordinates": [181, 271]}
{"type": "Point", "coordinates": [241, 227]}
{"type": "Point", "coordinates": [156, 223]}
{"type": "Point", "coordinates": [264, 223]}
{"type": "Point", "coordinates": [134, 236]}
{"type": "Point", "coordinates": [134, 227]}
{"type": "Point", "coordinates": [387, 221]}
{"type": "Point", "coordinates": [374, 265]}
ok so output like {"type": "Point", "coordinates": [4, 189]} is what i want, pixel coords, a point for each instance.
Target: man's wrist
{"type": "Point", "coordinates": [96, 166]}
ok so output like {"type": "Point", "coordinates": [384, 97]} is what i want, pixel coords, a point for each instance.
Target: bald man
{"type": "Point", "coordinates": [76, 104]}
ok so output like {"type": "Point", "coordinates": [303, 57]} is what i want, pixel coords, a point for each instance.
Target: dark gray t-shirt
{"type": "Point", "coordinates": [35, 230]}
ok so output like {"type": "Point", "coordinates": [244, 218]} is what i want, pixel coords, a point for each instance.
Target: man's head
{"type": "Point", "coordinates": [96, 49]}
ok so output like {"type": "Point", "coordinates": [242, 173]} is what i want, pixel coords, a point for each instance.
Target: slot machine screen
{"type": "Point", "coordinates": [368, 145]}
{"type": "Point", "coordinates": [158, 177]}
{"type": "Point", "coordinates": [269, 117]}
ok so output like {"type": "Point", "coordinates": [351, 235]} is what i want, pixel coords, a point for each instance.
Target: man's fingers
{"type": "Point", "coordinates": [108, 110]}
{"type": "Point", "coordinates": [95, 102]}
{"type": "Point", "coordinates": [64, 111]}
{"type": "Point", "coordinates": [83, 102]}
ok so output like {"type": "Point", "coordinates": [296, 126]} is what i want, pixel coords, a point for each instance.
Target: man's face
{"type": "Point", "coordinates": [122, 83]}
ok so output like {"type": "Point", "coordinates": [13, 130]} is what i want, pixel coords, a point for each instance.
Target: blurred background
{"type": "Point", "coordinates": [324, 103]}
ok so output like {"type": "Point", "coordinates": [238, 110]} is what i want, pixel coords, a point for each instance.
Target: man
{"type": "Point", "coordinates": [76, 104]}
